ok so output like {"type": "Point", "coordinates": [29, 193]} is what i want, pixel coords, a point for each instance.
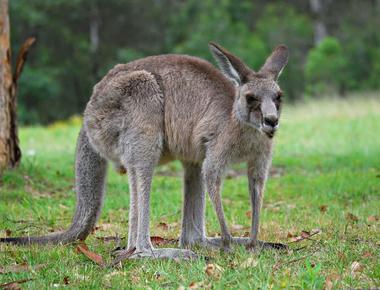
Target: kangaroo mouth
{"type": "Point", "coordinates": [269, 131]}
{"type": "Point", "coordinates": [270, 134]}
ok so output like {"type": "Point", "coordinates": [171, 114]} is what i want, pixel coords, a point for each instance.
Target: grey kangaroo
{"type": "Point", "coordinates": [160, 108]}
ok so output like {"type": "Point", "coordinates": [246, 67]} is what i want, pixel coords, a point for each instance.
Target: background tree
{"type": "Point", "coordinates": [10, 153]}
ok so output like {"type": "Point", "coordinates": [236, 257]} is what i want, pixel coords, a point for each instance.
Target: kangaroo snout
{"type": "Point", "coordinates": [270, 125]}
{"type": "Point", "coordinates": [271, 121]}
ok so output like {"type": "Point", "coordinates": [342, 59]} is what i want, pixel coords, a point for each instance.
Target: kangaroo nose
{"type": "Point", "coordinates": [271, 121]}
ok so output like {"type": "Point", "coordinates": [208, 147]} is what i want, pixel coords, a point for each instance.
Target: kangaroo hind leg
{"type": "Point", "coordinates": [140, 147]}
{"type": "Point", "coordinates": [140, 157]}
{"type": "Point", "coordinates": [193, 225]}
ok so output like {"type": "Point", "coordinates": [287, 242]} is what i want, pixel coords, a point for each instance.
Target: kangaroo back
{"type": "Point", "coordinates": [90, 172]}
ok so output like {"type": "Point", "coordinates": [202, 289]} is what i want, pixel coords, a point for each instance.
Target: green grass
{"type": "Point", "coordinates": [327, 154]}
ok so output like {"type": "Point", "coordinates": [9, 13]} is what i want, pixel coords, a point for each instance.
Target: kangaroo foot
{"type": "Point", "coordinates": [217, 243]}
{"type": "Point", "coordinates": [165, 253]}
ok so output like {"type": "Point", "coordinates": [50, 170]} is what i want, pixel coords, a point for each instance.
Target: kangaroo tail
{"type": "Point", "coordinates": [90, 172]}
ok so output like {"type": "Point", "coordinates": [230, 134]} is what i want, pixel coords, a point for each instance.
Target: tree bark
{"type": "Point", "coordinates": [94, 26]}
{"type": "Point", "coordinates": [318, 8]}
{"type": "Point", "coordinates": [10, 153]}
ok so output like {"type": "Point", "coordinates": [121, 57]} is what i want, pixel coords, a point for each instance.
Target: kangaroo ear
{"type": "Point", "coordinates": [275, 63]}
{"type": "Point", "coordinates": [230, 65]}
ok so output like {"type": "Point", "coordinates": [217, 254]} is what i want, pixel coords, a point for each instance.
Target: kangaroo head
{"type": "Point", "coordinates": [258, 97]}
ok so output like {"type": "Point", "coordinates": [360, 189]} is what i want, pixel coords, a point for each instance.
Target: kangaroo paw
{"type": "Point", "coordinates": [165, 253]}
{"type": "Point", "coordinates": [217, 243]}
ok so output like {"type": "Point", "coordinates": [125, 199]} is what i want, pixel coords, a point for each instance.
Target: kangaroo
{"type": "Point", "coordinates": [161, 108]}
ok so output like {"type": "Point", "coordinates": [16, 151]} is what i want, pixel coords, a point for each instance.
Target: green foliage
{"type": "Point", "coordinates": [311, 278]}
{"type": "Point", "coordinates": [73, 121]}
{"type": "Point", "coordinates": [325, 68]}
{"type": "Point", "coordinates": [214, 24]}
{"type": "Point", "coordinates": [374, 78]}
{"type": "Point", "coordinates": [38, 89]}
{"type": "Point", "coordinates": [281, 23]}
{"type": "Point", "coordinates": [65, 63]}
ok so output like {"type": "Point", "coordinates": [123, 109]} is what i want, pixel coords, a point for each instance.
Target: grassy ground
{"type": "Point", "coordinates": [327, 177]}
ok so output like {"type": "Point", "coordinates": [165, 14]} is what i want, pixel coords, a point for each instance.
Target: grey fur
{"type": "Point", "coordinates": [167, 107]}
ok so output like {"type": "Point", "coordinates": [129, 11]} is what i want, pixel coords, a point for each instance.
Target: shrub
{"type": "Point", "coordinates": [325, 68]}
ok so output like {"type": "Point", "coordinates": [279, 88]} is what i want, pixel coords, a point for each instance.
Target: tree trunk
{"type": "Point", "coordinates": [10, 153]}
{"type": "Point", "coordinates": [318, 8]}
{"type": "Point", "coordinates": [94, 26]}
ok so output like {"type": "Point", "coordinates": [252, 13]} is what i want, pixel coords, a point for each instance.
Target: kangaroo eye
{"type": "Point", "coordinates": [251, 99]}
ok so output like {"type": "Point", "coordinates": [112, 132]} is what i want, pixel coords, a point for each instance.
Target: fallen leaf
{"type": "Point", "coordinates": [163, 226]}
{"type": "Point", "coordinates": [248, 214]}
{"type": "Point", "coordinates": [372, 218]}
{"type": "Point", "coordinates": [214, 270]}
{"type": "Point", "coordinates": [351, 217]}
{"type": "Point", "coordinates": [249, 263]}
{"type": "Point", "coordinates": [8, 232]}
{"type": "Point", "coordinates": [66, 280]}
{"type": "Point", "coordinates": [14, 284]}
{"type": "Point", "coordinates": [296, 239]}
{"type": "Point", "coordinates": [159, 241]}
{"type": "Point", "coordinates": [305, 234]}
{"type": "Point", "coordinates": [23, 267]}
{"type": "Point", "coordinates": [334, 277]}
{"type": "Point", "coordinates": [236, 228]}
{"type": "Point", "coordinates": [328, 284]}
{"type": "Point", "coordinates": [290, 235]}
{"type": "Point", "coordinates": [82, 248]}
{"type": "Point", "coordinates": [173, 225]}
{"type": "Point", "coordinates": [356, 268]}
{"type": "Point", "coordinates": [199, 285]}
{"type": "Point", "coordinates": [367, 254]}
{"type": "Point", "coordinates": [135, 279]}
{"type": "Point", "coordinates": [323, 208]}
{"type": "Point", "coordinates": [341, 255]}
